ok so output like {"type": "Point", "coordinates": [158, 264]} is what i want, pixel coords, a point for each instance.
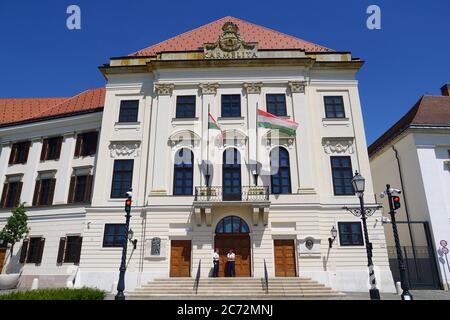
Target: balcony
{"type": "Point", "coordinates": [232, 194]}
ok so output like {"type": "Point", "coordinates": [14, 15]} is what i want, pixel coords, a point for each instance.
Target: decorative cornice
{"type": "Point", "coordinates": [209, 88]}
{"type": "Point", "coordinates": [297, 86]}
{"type": "Point", "coordinates": [253, 87]}
{"type": "Point", "coordinates": [164, 89]}
{"type": "Point", "coordinates": [338, 145]}
{"type": "Point", "coordinates": [124, 149]}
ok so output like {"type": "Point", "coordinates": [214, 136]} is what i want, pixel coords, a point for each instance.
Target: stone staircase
{"type": "Point", "coordinates": [239, 287]}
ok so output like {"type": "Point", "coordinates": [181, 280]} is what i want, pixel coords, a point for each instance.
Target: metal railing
{"type": "Point", "coordinates": [266, 278]}
{"type": "Point", "coordinates": [197, 277]}
{"type": "Point", "coordinates": [244, 194]}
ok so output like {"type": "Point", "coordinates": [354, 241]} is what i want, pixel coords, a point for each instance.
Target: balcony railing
{"type": "Point", "coordinates": [244, 194]}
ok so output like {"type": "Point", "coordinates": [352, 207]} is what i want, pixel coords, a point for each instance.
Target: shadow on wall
{"type": "Point", "coordinates": [12, 264]}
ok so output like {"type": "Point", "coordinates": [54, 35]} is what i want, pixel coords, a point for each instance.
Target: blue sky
{"type": "Point", "coordinates": [407, 58]}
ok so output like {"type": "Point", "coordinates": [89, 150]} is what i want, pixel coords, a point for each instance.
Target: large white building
{"type": "Point", "coordinates": [72, 160]}
{"type": "Point", "coordinates": [414, 156]}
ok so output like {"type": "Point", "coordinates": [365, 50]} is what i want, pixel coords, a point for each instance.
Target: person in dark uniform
{"type": "Point", "coordinates": [231, 257]}
{"type": "Point", "coordinates": [216, 258]}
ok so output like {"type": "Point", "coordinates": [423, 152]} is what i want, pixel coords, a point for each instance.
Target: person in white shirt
{"type": "Point", "coordinates": [231, 257]}
{"type": "Point", "coordinates": [216, 258]}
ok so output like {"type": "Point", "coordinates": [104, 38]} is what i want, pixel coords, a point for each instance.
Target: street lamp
{"type": "Point", "coordinates": [130, 238]}
{"type": "Point", "coordinates": [333, 232]}
{"type": "Point", "coordinates": [358, 183]}
{"type": "Point", "coordinates": [123, 265]}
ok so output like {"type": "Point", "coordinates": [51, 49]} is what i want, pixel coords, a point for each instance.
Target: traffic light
{"type": "Point", "coordinates": [396, 202]}
{"type": "Point", "coordinates": [128, 205]}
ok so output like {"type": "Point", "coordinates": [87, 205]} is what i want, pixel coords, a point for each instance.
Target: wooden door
{"type": "Point", "coordinates": [180, 258]}
{"type": "Point", "coordinates": [241, 245]}
{"type": "Point", "coordinates": [2, 258]}
{"type": "Point", "coordinates": [285, 258]}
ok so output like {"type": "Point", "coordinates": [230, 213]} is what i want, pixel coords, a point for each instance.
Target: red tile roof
{"type": "Point", "coordinates": [19, 110]}
{"type": "Point", "coordinates": [267, 39]}
{"type": "Point", "coordinates": [428, 111]}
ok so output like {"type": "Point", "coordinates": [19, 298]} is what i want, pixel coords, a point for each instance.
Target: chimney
{"type": "Point", "coordinates": [445, 90]}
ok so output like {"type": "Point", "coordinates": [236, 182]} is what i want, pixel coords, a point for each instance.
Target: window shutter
{"type": "Point", "coordinates": [51, 191]}
{"type": "Point", "coordinates": [26, 151]}
{"type": "Point", "coordinates": [41, 251]}
{"type": "Point", "coordinates": [62, 247]}
{"type": "Point", "coordinates": [88, 189]}
{"type": "Point", "coordinates": [44, 149]}
{"type": "Point", "coordinates": [18, 193]}
{"type": "Point", "coordinates": [79, 243]}
{"type": "Point", "coordinates": [78, 145]}
{"type": "Point", "coordinates": [4, 194]}
{"type": "Point", "coordinates": [23, 252]}
{"type": "Point", "coordinates": [94, 141]}
{"type": "Point", "coordinates": [13, 154]}
{"type": "Point", "coordinates": [72, 189]}
{"type": "Point", "coordinates": [58, 147]}
{"type": "Point", "coordinates": [37, 189]}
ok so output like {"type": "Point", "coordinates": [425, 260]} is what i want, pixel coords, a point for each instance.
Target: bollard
{"type": "Point", "coordinates": [35, 284]}
{"type": "Point", "coordinates": [398, 287]}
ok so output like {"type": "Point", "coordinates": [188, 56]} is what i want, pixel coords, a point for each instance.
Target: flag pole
{"type": "Point", "coordinates": [257, 141]}
{"type": "Point", "coordinates": [207, 152]}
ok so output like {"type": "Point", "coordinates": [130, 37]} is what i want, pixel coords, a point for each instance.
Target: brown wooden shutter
{"type": "Point", "coordinates": [94, 137]}
{"type": "Point", "coordinates": [58, 147]}
{"type": "Point", "coordinates": [72, 189]}
{"type": "Point", "coordinates": [51, 191]}
{"type": "Point", "coordinates": [88, 189]}
{"type": "Point", "coordinates": [44, 150]}
{"type": "Point", "coordinates": [78, 254]}
{"type": "Point", "coordinates": [12, 156]}
{"type": "Point", "coordinates": [4, 194]}
{"type": "Point", "coordinates": [26, 147]}
{"type": "Point", "coordinates": [61, 250]}
{"type": "Point", "coordinates": [78, 145]}
{"type": "Point", "coordinates": [23, 252]}
{"type": "Point", "coordinates": [41, 251]}
{"type": "Point", "coordinates": [37, 190]}
{"type": "Point", "coordinates": [18, 193]}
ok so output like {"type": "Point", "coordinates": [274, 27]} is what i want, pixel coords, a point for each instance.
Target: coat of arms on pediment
{"type": "Point", "coordinates": [230, 45]}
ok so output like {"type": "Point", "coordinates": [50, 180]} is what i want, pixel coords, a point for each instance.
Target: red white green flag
{"type": "Point", "coordinates": [212, 124]}
{"type": "Point", "coordinates": [270, 121]}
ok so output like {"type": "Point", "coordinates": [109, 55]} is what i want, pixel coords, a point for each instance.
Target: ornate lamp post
{"type": "Point", "coordinates": [333, 232]}
{"type": "Point", "coordinates": [358, 182]}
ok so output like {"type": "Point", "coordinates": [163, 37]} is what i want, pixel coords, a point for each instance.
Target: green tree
{"type": "Point", "coordinates": [16, 226]}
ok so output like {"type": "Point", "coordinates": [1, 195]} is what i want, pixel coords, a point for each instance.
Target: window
{"type": "Point", "coordinates": [86, 144]}
{"type": "Point", "coordinates": [231, 175]}
{"type": "Point", "coordinates": [276, 104]}
{"type": "Point", "coordinates": [350, 234]}
{"type": "Point", "coordinates": [11, 194]}
{"type": "Point", "coordinates": [51, 148]}
{"type": "Point", "coordinates": [185, 107]}
{"type": "Point", "coordinates": [341, 168]}
{"type": "Point", "coordinates": [43, 192]}
{"type": "Point", "coordinates": [69, 250]}
{"type": "Point", "coordinates": [231, 105]}
{"type": "Point", "coordinates": [32, 250]}
{"type": "Point", "coordinates": [334, 107]}
{"type": "Point", "coordinates": [232, 224]}
{"type": "Point", "coordinates": [19, 152]}
{"type": "Point", "coordinates": [129, 110]}
{"type": "Point", "coordinates": [122, 178]}
{"type": "Point", "coordinates": [115, 235]}
{"type": "Point", "coordinates": [80, 188]}
{"type": "Point", "coordinates": [183, 172]}
{"type": "Point", "coordinates": [280, 173]}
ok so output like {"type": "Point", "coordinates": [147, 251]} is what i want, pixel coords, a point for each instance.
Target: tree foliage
{"type": "Point", "coordinates": [16, 226]}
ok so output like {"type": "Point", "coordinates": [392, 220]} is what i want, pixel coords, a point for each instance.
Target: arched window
{"type": "Point", "coordinates": [183, 172]}
{"type": "Point", "coordinates": [281, 176]}
{"type": "Point", "coordinates": [231, 175]}
{"type": "Point", "coordinates": [232, 224]}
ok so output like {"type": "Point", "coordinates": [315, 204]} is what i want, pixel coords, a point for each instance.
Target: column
{"type": "Point", "coordinates": [29, 177]}
{"type": "Point", "coordinates": [208, 91]}
{"type": "Point", "coordinates": [65, 169]}
{"type": "Point", "coordinates": [4, 159]}
{"type": "Point", "coordinates": [161, 154]}
{"type": "Point", "coordinates": [253, 91]}
{"type": "Point", "coordinates": [303, 144]}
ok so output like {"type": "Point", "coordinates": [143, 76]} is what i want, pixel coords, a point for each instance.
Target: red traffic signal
{"type": "Point", "coordinates": [396, 202]}
{"type": "Point", "coordinates": [128, 202]}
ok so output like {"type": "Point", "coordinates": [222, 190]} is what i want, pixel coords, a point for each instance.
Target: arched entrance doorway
{"type": "Point", "coordinates": [233, 233]}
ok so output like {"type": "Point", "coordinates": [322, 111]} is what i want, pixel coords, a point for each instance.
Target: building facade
{"type": "Point", "coordinates": [414, 156]}
{"type": "Point", "coordinates": [270, 196]}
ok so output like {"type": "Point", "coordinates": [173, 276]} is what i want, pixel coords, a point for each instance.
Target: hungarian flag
{"type": "Point", "coordinates": [212, 124]}
{"type": "Point", "coordinates": [270, 121]}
